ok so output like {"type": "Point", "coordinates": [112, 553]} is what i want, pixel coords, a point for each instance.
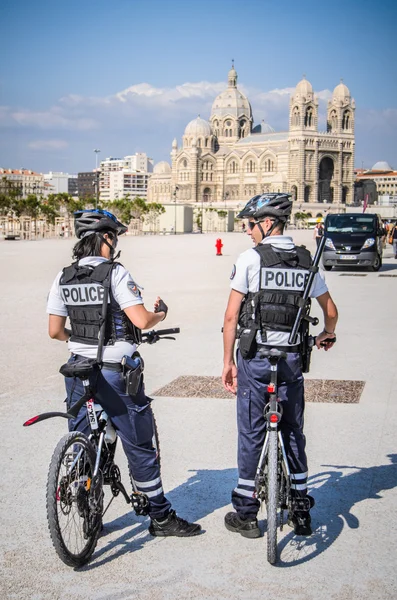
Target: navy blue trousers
{"type": "Point", "coordinates": [132, 418]}
{"type": "Point", "coordinates": [252, 396]}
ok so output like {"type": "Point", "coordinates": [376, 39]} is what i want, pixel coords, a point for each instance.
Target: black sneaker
{"type": "Point", "coordinates": [173, 525]}
{"type": "Point", "coordinates": [299, 515]}
{"type": "Point", "coordinates": [246, 527]}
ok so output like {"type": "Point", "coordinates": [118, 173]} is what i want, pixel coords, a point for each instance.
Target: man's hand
{"type": "Point", "coordinates": [229, 378]}
{"type": "Point", "coordinates": [322, 344]}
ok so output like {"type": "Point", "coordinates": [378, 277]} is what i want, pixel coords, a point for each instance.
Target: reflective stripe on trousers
{"type": "Point", "coordinates": [252, 377]}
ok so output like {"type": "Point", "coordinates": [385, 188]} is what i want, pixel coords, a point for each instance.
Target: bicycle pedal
{"type": "Point", "coordinates": [140, 503]}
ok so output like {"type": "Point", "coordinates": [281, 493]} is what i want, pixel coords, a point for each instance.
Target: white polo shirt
{"type": "Point", "coordinates": [126, 293]}
{"type": "Point", "coordinates": [245, 278]}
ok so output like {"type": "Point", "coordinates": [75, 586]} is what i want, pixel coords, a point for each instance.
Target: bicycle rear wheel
{"type": "Point", "coordinates": [272, 496]}
{"type": "Point", "coordinates": [74, 500]}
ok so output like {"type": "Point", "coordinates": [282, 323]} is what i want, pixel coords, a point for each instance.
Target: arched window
{"type": "Point", "coordinates": [296, 117]}
{"type": "Point", "coordinates": [309, 117]}
{"type": "Point", "coordinates": [250, 166]}
{"type": "Point", "coordinates": [184, 163]}
{"type": "Point", "coordinates": [199, 143]}
{"type": "Point", "coordinates": [233, 167]}
{"type": "Point", "coordinates": [346, 120]}
{"type": "Point", "coordinates": [332, 124]}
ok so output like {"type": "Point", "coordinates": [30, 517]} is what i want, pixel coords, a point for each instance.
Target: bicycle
{"type": "Point", "coordinates": [273, 476]}
{"type": "Point", "coordinates": [81, 465]}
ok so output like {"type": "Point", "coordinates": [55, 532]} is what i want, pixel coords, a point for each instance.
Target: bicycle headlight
{"type": "Point", "coordinates": [329, 244]}
{"type": "Point", "coordinates": [368, 243]}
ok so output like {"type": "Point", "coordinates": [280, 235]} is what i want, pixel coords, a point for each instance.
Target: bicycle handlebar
{"type": "Point", "coordinates": [153, 336]}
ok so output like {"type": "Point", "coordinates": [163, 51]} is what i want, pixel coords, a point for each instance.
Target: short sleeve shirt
{"type": "Point", "coordinates": [245, 278]}
{"type": "Point", "coordinates": [126, 293]}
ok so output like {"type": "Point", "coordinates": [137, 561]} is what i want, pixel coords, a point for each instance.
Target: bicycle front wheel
{"type": "Point", "coordinates": [74, 500]}
{"type": "Point", "coordinates": [272, 497]}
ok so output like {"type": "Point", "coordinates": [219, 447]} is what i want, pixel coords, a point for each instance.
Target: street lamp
{"type": "Point", "coordinates": [175, 191]}
{"type": "Point", "coordinates": [96, 178]}
{"type": "Point", "coordinates": [226, 196]}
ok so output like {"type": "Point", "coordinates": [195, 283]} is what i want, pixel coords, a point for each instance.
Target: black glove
{"type": "Point", "coordinates": [162, 307]}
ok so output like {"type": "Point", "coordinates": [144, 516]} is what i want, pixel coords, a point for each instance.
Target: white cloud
{"type": "Point", "coordinates": [48, 144]}
{"type": "Point", "coordinates": [54, 118]}
{"type": "Point", "coordinates": [146, 118]}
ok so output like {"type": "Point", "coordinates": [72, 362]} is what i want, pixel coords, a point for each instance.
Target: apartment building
{"type": "Point", "coordinates": [125, 176]}
{"type": "Point", "coordinates": [24, 181]}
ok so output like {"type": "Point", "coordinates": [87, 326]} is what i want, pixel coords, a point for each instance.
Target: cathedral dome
{"type": "Point", "coordinates": [231, 102]}
{"type": "Point", "coordinates": [304, 88]}
{"type": "Point", "coordinates": [162, 168]}
{"type": "Point", "coordinates": [263, 128]}
{"type": "Point", "coordinates": [198, 127]}
{"type": "Point", "coordinates": [381, 165]}
{"type": "Point", "coordinates": [341, 92]}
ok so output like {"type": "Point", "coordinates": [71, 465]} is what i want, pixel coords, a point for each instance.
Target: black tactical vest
{"type": "Point", "coordinates": [282, 280]}
{"type": "Point", "coordinates": [83, 289]}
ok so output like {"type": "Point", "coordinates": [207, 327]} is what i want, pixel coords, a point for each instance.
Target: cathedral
{"type": "Point", "coordinates": [227, 159]}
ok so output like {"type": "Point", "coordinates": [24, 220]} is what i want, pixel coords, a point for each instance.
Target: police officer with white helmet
{"type": "Point", "coordinates": [78, 293]}
{"type": "Point", "coordinates": [271, 276]}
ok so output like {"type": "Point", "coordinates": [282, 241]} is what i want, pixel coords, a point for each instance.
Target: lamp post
{"type": "Point", "coordinates": [202, 212]}
{"type": "Point", "coordinates": [175, 191]}
{"type": "Point", "coordinates": [96, 178]}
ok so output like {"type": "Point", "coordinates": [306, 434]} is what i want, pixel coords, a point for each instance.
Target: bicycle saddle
{"type": "Point", "coordinates": [81, 369]}
{"type": "Point", "coordinates": [272, 353]}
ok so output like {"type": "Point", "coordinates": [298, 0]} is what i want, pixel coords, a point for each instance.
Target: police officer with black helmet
{"type": "Point", "coordinates": [78, 293]}
{"type": "Point", "coordinates": [271, 278]}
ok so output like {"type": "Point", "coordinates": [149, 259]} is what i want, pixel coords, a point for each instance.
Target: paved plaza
{"type": "Point", "coordinates": [352, 448]}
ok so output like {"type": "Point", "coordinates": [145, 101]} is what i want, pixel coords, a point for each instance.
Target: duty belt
{"type": "Point", "coordinates": [291, 349]}
{"type": "Point", "coordinates": [112, 366]}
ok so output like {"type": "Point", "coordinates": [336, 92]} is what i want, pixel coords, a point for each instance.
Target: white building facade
{"type": "Point", "coordinates": [120, 177]}
{"type": "Point", "coordinates": [226, 160]}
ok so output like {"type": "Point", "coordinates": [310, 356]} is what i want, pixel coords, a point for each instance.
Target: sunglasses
{"type": "Point", "coordinates": [251, 225]}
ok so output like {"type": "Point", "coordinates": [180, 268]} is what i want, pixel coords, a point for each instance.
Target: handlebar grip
{"type": "Point", "coordinates": [162, 332]}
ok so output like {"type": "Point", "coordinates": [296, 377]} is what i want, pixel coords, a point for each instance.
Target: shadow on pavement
{"type": "Point", "coordinates": [204, 492]}
{"type": "Point", "coordinates": [336, 494]}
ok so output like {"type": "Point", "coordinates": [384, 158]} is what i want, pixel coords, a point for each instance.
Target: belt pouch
{"type": "Point", "coordinates": [132, 370]}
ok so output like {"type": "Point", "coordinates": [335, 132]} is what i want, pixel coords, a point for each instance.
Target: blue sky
{"type": "Point", "coordinates": [126, 76]}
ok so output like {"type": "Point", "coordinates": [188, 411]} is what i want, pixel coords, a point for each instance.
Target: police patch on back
{"type": "Point", "coordinates": [284, 279]}
{"type": "Point", "coordinates": [82, 294]}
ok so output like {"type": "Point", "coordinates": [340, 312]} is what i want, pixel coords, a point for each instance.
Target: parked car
{"type": "Point", "coordinates": [353, 239]}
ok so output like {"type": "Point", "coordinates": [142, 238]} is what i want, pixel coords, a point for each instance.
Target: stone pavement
{"type": "Point", "coordinates": [352, 447]}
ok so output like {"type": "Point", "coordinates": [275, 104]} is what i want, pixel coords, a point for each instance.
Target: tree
{"type": "Point", "coordinates": [154, 210]}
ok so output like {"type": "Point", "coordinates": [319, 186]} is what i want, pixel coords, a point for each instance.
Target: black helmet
{"type": "Point", "coordinates": [91, 221]}
{"type": "Point", "coordinates": [259, 207]}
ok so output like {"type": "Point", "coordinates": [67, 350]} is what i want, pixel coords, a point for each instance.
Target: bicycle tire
{"type": "Point", "coordinates": [272, 497]}
{"type": "Point", "coordinates": [74, 527]}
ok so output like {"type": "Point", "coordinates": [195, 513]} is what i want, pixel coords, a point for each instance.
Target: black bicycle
{"type": "Point", "coordinates": [273, 476]}
{"type": "Point", "coordinates": [81, 465]}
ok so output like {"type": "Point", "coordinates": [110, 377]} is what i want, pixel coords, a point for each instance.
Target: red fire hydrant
{"type": "Point", "coordinates": [219, 247]}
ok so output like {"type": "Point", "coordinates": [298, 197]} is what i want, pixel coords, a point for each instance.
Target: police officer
{"type": "Point", "coordinates": [78, 293]}
{"type": "Point", "coordinates": [271, 276]}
